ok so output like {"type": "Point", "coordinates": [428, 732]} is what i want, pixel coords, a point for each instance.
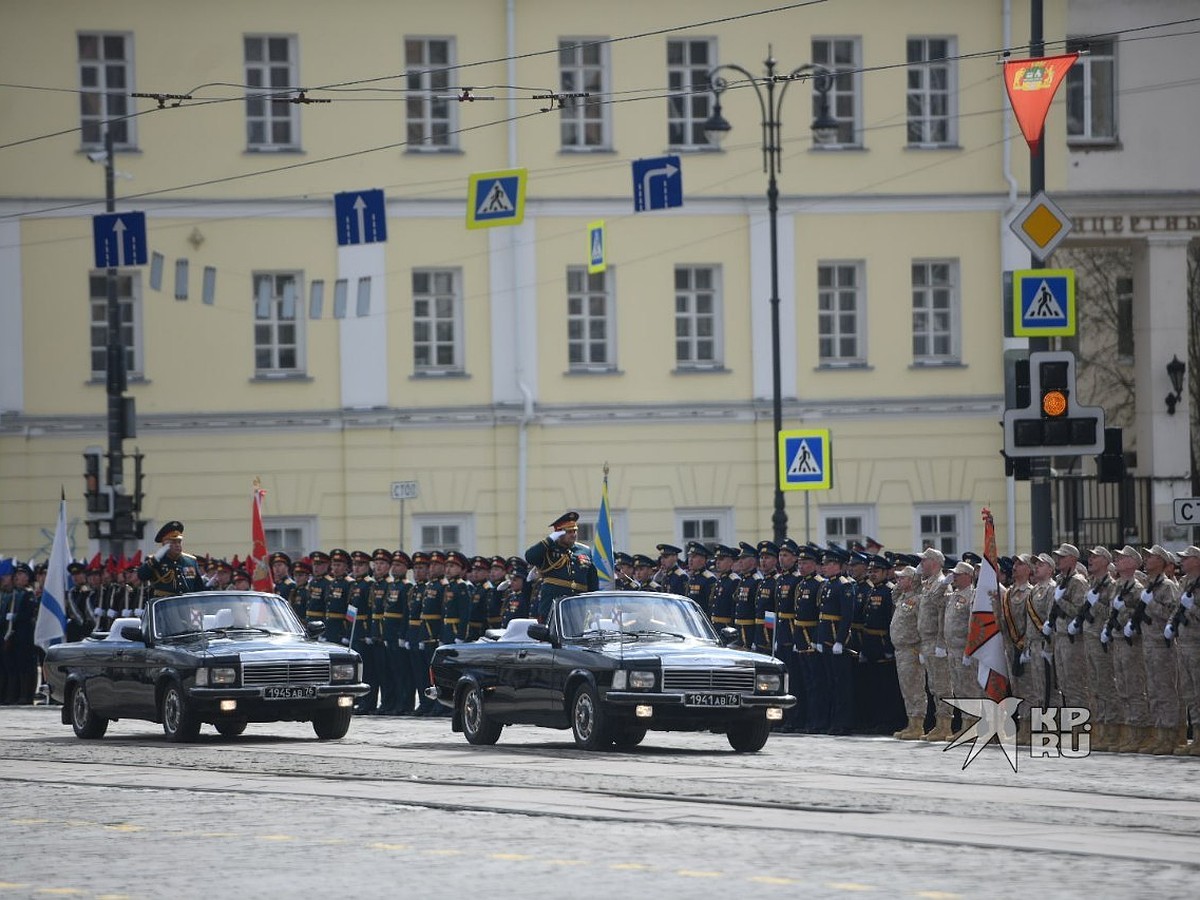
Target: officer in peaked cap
{"type": "Point", "coordinates": [514, 601]}
{"type": "Point", "coordinates": [724, 592]}
{"type": "Point", "coordinates": [338, 597]}
{"type": "Point", "coordinates": [700, 581]}
{"type": "Point", "coordinates": [170, 571]}
{"type": "Point", "coordinates": [281, 574]}
{"type": "Point", "coordinates": [670, 576]}
{"type": "Point", "coordinates": [836, 615]}
{"type": "Point", "coordinates": [318, 589]}
{"type": "Point", "coordinates": [565, 565]}
{"type": "Point", "coordinates": [643, 572]}
{"type": "Point", "coordinates": [764, 597]}
{"type": "Point", "coordinates": [746, 593]}
{"type": "Point", "coordinates": [623, 572]}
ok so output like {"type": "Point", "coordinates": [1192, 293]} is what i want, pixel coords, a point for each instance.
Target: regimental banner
{"type": "Point", "coordinates": [1031, 84]}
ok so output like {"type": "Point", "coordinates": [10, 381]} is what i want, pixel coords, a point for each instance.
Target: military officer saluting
{"type": "Point", "coordinates": [170, 571]}
{"type": "Point", "coordinates": [566, 567]}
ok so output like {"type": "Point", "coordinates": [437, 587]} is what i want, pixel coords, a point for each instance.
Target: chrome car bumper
{"type": "Point", "coordinates": [785, 701]}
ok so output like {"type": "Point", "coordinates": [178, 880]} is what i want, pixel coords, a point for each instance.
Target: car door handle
{"type": "Point", "coordinates": [521, 654]}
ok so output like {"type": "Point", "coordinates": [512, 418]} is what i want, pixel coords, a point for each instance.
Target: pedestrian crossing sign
{"type": "Point", "coordinates": [496, 198]}
{"type": "Point", "coordinates": [805, 460]}
{"type": "Point", "coordinates": [1043, 302]}
{"type": "Point", "coordinates": [597, 255]}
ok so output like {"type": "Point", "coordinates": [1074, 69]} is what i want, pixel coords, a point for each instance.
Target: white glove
{"type": "Point", "coordinates": [555, 535]}
{"type": "Point", "coordinates": [946, 579]}
{"type": "Point", "coordinates": [1059, 592]}
{"type": "Point", "coordinates": [458, 640]}
{"type": "Point", "coordinates": [921, 658]}
{"type": "Point", "coordinates": [837, 648]}
{"type": "Point", "coordinates": [939, 652]}
{"type": "Point", "coordinates": [1128, 630]}
{"type": "Point", "coordinates": [1147, 596]}
{"type": "Point", "coordinates": [369, 641]}
{"type": "Point", "coordinates": [1092, 598]}
{"type": "Point", "coordinates": [1072, 628]}
{"type": "Point", "coordinates": [1169, 632]}
{"type": "Point", "coordinates": [8, 617]}
{"type": "Point", "coordinates": [1024, 656]}
{"type": "Point", "coordinates": [819, 647]}
{"type": "Point", "coordinates": [112, 613]}
{"type": "Point", "coordinates": [161, 552]}
{"type": "Point", "coordinates": [1046, 629]}
{"type": "Point", "coordinates": [404, 645]}
{"type": "Point", "coordinates": [966, 660]}
{"type": "Point", "coordinates": [1105, 637]}
{"type": "Point", "coordinates": [1118, 604]}
{"type": "Point", "coordinates": [125, 613]}
{"type": "Point", "coordinates": [346, 642]}
{"type": "Point", "coordinates": [1048, 656]}
{"type": "Point", "coordinates": [1187, 600]}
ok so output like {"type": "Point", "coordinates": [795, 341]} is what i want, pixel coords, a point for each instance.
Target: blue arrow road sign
{"type": "Point", "coordinates": [119, 239]}
{"type": "Point", "coordinates": [657, 183]}
{"type": "Point", "coordinates": [361, 217]}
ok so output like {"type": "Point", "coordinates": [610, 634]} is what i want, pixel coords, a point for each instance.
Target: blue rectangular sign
{"type": "Point", "coordinates": [119, 239]}
{"type": "Point", "coordinates": [361, 217]}
{"type": "Point", "coordinates": [657, 183]}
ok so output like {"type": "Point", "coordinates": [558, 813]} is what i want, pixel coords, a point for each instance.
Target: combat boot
{"type": "Point", "coordinates": [940, 730]}
{"type": "Point", "coordinates": [911, 732]}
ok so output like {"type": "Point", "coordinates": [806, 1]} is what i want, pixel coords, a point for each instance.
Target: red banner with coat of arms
{"type": "Point", "coordinates": [1031, 84]}
{"type": "Point", "coordinates": [260, 572]}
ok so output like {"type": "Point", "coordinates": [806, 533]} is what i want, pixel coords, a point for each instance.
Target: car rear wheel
{"type": "Point", "coordinates": [477, 727]}
{"type": "Point", "coordinates": [749, 736]}
{"type": "Point", "coordinates": [87, 725]}
{"type": "Point", "coordinates": [628, 737]}
{"type": "Point", "coordinates": [179, 721]}
{"type": "Point", "coordinates": [230, 727]}
{"type": "Point", "coordinates": [333, 724]}
{"type": "Point", "coordinates": [588, 724]}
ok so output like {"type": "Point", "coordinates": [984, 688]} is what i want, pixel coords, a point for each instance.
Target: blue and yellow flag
{"type": "Point", "coordinates": [602, 543]}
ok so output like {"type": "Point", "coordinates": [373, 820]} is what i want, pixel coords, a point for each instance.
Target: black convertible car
{"type": "Point", "coordinates": [610, 666]}
{"type": "Point", "coordinates": [222, 658]}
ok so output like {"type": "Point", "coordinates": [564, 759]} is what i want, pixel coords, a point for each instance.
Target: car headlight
{"type": "Point", "coordinates": [344, 671]}
{"type": "Point", "coordinates": [641, 680]}
{"type": "Point", "coordinates": [224, 675]}
{"type": "Point", "coordinates": [767, 683]}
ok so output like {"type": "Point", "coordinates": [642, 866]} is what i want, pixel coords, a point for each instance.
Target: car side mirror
{"type": "Point", "coordinates": [315, 628]}
{"type": "Point", "coordinates": [729, 635]}
{"type": "Point", "coordinates": [133, 633]}
{"type": "Point", "coordinates": [539, 632]}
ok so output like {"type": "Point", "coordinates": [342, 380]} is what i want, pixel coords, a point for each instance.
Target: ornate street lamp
{"type": "Point", "coordinates": [1175, 369]}
{"type": "Point", "coordinates": [824, 129]}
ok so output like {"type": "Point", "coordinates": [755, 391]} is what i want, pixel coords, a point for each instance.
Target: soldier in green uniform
{"type": "Point", "coordinates": [670, 578]}
{"type": "Point", "coordinates": [515, 601]}
{"type": "Point", "coordinates": [701, 582]}
{"type": "Point", "coordinates": [432, 613]}
{"type": "Point", "coordinates": [318, 588]}
{"type": "Point", "coordinates": [337, 597]}
{"type": "Point", "coordinates": [281, 575]}
{"type": "Point", "coordinates": [726, 589]}
{"type": "Point", "coordinates": [414, 635]}
{"type": "Point", "coordinates": [643, 572]}
{"type": "Point", "coordinates": [456, 604]}
{"type": "Point", "coordinates": [170, 571]}
{"type": "Point", "coordinates": [565, 566]}
{"type": "Point", "coordinates": [498, 577]}
{"type": "Point", "coordinates": [397, 689]}
{"type": "Point", "coordinates": [302, 573]}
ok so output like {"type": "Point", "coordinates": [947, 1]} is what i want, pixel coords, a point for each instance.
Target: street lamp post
{"type": "Point", "coordinates": [824, 128]}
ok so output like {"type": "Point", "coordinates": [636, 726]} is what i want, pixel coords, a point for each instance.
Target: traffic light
{"type": "Point", "coordinates": [1110, 465]}
{"type": "Point", "coordinates": [1046, 420]}
{"type": "Point", "coordinates": [97, 494]}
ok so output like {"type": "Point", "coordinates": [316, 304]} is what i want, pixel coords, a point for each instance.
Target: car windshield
{"type": "Point", "coordinates": [632, 614]}
{"type": "Point", "coordinates": [191, 613]}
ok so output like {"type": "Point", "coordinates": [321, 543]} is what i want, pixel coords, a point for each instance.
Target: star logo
{"type": "Point", "coordinates": [997, 721]}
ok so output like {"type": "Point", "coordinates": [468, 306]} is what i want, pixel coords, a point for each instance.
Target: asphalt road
{"type": "Point", "coordinates": [402, 807]}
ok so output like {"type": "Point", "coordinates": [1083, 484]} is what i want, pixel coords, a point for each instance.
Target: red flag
{"type": "Point", "coordinates": [983, 634]}
{"type": "Point", "coordinates": [1031, 84]}
{"type": "Point", "coordinates": [260, 573]}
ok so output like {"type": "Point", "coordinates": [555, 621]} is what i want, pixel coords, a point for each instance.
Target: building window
{"type": "Point", "coordinates": [444, 532]}
{"type": "Point", "coordinates": [935, 311]}
{"type": "Point", "coordinates": [698, 317]}
{"type": "Point", "coordinates": [1125, 319]}
{"type": "Point", "coordinates": [278, 326]}
{"type": "Point", "coordinates": [620, 527]}
{"type": "Point", "coordinates": [931, 92]}
{"type": "Point", "coordinates": [590, 326]}
{"type": "Point", "coordinates": [1092, 93]}
{"type": "Point", "coordinates": [583, 68]}
{"type": "Point", "coordinates": [105, 82]}
{"type": "Point", "coordinates": [437, 325]}
{"type": "Point", "coordinates": [840, 56]}
{"type": "Point", "coordinates": [293, 536]}
{"type": "Point", "coordinates": [689, 100]}
{"type": "Point", "coordinates": [846, 525]}
{"type": "Point", "coordinates": [129, 301]}
{"type": "Point", "coordinates": [427, 63]}
{"type": "Point", "coordinates": [942, 527]}
{"type": "Point", "coordinates": [271, 75]}
{"type": "Point", "coordinates": [708, 526]}
{"type": "Point", "coordinates": [841, 310]}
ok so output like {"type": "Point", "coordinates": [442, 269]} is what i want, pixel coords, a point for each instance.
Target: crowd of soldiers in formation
{"type": "Point", "coordinates": [873, 641]}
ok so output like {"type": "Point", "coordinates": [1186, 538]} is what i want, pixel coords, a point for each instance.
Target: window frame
{"type": "Point", "coordinates": [458, 342]}
{"type": "Point", "coordinates": [926, 118]}
{"type": "Point", "coordinates": [306, 525]}
{"type": "Point", "coordinates": [620, 526]}
{"type": "Point", "coordinates": [847, 82]}
{"type": "Point", "coordinates": [1081, 82]}
{"type": "Point", "coordinates": [865, 512]}
{"type": "Point", "coordinates": [464, 522]}
{"type": "Point", "coordinates": [425, 73]}
{"type": "Point", "coordinates": [961, 535]}
{"type": "Point", "coordinates": [693, 99]}
{"type": "Point", "coordinates": [717, 363]}
{"type": "Point", "coordinates": [723, 516]}
{"type": "Point", "coordinates": [272, 112]}
{"type": "Point", "coordinates": [953, 356]}
{"type": "Point", "coordinates": [275, 320]}
{"type": "Point", "coordinates": [588, 365]}
{"type": "Point", "coordinates": [133, 367]}
{"type": "Point", "coordinates": [573, 113]}
{"type": "Point", "coordinates": [860, 315]}
{"type": "Point", "coordinates": [104, 115]}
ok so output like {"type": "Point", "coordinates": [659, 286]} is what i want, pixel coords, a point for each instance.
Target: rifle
{"type": "Point", "coordinates": [1180, 617]}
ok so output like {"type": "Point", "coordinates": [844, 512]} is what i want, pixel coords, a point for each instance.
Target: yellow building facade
{"type": "Point", "coordinates": [486, 365]}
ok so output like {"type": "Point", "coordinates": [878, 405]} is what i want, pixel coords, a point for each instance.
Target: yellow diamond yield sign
{"type": "Point", "coordinates": [1041, 225]}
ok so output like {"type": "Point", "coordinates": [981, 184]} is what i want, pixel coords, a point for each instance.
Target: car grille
{"type": "Point", "coordinates": [258, 674]}
{"type": "Point", "coordinates": [708, 680]}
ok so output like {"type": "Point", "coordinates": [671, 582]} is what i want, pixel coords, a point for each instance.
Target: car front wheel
{"type": "Point", "coordinates": [477, 727]}
{"type": "Point", "coordinates": [749, 736]}
{"type": "Point", "coordinates": [179, 722]}
{"type": "Point", "coordinates": [230, 727]}
{"type": "Point", "coordinates": [587, 720]}
{"type": "Point", "coordinates": [332, 725]}
{"type": "Point", "coordinates": [629, 737]}
{"type": "Point", "coordinates": [87, 725]}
